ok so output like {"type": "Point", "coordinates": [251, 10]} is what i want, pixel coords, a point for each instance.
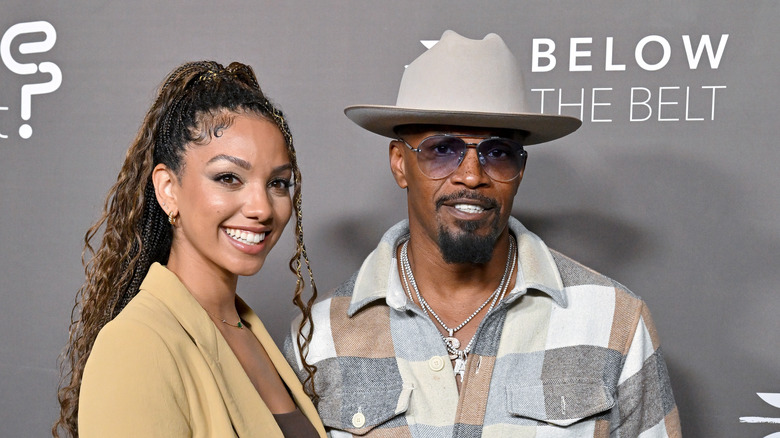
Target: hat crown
{"type": "Point", "coordinates": [464, 82]}
{"type": "Point", "coordinates": [461, 74]}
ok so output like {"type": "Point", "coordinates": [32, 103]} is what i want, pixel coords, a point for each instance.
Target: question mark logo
{"type": "Point", "coordinates": [29, 90]}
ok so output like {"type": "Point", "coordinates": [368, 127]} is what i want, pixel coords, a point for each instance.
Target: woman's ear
{"type": "Point", "coordinates": [165, 182]}
{"type": "Point", "coordinates": [398, 163]}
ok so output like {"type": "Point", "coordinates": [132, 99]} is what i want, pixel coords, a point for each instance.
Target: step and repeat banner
{"type": "Point", "coordinates": [671, 186]}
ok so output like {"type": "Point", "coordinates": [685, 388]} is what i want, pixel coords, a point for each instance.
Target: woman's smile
{"type": "Point", "coordinates": [245, 237]}
{"type": "Point", "coordinates": [247, 242]}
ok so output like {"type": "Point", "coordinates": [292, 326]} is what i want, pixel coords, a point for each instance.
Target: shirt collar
{"type": "Point", "coordinates": [378, 276]}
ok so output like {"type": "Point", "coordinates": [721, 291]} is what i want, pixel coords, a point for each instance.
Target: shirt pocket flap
{"type": "Point", "coordinates": [561, 403]}
{"type": "Point", "coordinates": [358, 411]}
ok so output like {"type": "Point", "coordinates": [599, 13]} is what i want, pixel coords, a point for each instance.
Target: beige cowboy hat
{"type": "Point", "coordinates": [463, 82]}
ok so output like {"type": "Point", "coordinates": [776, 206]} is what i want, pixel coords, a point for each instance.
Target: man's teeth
{"type": "Point", "coordinates": [246, 237]}
{"type": "Point", "coordinates": [469, 208]}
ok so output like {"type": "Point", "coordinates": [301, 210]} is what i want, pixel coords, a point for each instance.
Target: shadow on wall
{"type": "Point", "coordinates": [354, 238]}
{"type": "Point", "coordinates": [588, 235]}
{"type": "Point", "coordinates": [345, 240]}
{"type": "Point", "coordinates": [684, 235]}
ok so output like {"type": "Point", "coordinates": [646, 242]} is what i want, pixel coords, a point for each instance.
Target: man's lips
{"type": "Point", "coordinates": [467, 202]}
{"type": "Point", "coordinates": [468, 208]}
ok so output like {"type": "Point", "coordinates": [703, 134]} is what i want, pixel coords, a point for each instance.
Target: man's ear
{"type": "Point", "coordinates": [165, 182]}
{"type": "Point", "coordinates": [398, 163]}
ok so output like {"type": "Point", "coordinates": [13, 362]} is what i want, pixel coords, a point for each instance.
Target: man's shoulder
{"type": "Point", "coordinates": [574, 273]}
{"type": "Point", "coordinates": [599, 310]}
{"type": "Point", "coordinates": [346, 288]}
{"type": "Point", "coordinates": [340, 292]}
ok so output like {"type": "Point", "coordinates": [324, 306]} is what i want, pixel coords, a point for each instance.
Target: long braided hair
{"type": "Point", "coordinates": [189, 109]}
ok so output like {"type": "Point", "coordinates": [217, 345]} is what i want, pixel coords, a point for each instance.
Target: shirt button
{"type": "Point", "coordinates": [358, 420]}
{"type": "Point", "coordinates": [436, 363]}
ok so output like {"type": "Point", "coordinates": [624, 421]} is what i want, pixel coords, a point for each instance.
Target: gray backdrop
{"type": "Point", "coordinates": [670, 186]}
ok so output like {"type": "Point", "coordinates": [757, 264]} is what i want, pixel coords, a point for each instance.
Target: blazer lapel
{"type": "Point", "coordinates": [248, 413]}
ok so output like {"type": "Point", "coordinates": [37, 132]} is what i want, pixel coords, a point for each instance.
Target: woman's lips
{"type": "Point", "coordinates": [244, 236]}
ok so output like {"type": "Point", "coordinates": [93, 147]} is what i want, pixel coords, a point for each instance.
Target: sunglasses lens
{"type": "Point", "coordinates": [504, 158]}
{"type": "Point", "coordinates": [439, 155]}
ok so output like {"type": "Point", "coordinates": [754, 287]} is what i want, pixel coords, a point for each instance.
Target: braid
{"type": "Point", "coordinates": [306, 326]}
{"type": "Point", "coordinates": [156, 237]}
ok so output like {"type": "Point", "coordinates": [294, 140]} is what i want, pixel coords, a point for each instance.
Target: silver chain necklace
{"type": "Point", "coordinates": [451, 342]}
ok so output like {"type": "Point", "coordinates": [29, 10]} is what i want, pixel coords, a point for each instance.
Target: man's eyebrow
{"type": "Point", "coordinates": [235, 160]}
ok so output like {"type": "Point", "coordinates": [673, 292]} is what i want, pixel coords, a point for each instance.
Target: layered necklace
{"type": "Point", "coordinates": [450, 341]}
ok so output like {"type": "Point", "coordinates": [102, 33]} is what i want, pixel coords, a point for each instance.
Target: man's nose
{"type": "Point", "coordinates": [470, 172]}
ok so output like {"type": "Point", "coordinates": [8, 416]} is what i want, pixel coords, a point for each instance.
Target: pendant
{"type": "Point", "coordinates": [452, 342]}
{"type": "Point", "coordinates": [460, 367]}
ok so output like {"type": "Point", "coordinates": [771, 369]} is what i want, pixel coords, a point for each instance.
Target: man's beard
{"type": "Point", "coordinates": [467, 247]}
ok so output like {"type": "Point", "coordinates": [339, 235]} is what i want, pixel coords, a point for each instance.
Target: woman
{"type": "Point", "coordinates": [202, 197]}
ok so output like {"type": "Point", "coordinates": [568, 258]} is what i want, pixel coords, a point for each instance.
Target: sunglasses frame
{"type": "Point", "coordinates": [481, 158]}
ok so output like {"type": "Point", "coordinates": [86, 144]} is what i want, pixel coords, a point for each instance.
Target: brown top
{"type": "Point", "coordinates": [295, 425]}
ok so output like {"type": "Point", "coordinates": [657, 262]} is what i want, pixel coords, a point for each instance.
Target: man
{"type": "Point", "coordinates": [462, 323]}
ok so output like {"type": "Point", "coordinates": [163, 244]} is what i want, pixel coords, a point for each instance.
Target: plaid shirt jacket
{"type": "Point", "coordinates": [568, 353]}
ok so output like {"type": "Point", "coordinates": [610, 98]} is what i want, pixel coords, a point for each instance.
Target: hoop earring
{"type": "Point", "coordinates": [172, 218]}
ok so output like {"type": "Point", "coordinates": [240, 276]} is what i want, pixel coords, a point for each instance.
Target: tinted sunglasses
{"type": "Point", "coordinates": [438, 156]}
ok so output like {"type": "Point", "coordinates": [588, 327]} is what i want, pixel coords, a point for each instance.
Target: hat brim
{"type": "Point", "coordinates": [382, 120]}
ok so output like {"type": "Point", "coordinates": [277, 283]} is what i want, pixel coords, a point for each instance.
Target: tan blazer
{"type": "Point", "coordinates": [162, 369]}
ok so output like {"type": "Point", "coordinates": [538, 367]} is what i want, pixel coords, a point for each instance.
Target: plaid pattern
{"type": "Point", "coordinates": [568, 353]}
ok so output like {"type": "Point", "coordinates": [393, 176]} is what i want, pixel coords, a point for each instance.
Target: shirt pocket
{"type": "Point", "coordinates": [561, 402]}
{"type": "Point", "coordinates": [360, 410]}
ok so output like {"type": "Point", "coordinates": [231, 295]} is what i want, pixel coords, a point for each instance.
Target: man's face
{"type": "Point", "coordinates": [464, 213]}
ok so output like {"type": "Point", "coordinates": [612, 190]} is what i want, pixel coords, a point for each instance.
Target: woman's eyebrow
{"type": "Point", "coordinates": [235, 160]}
{"type": "Point", "coordinates": [282, 168]}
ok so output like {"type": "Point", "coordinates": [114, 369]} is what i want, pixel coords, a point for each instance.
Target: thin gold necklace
{"type": "Point", "coordinates": [239, 325]}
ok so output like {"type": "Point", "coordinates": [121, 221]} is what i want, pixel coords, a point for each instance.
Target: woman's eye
{"type": "Point", "coordinates": [227, 179]}
{"type": "Point", "coordinates": [281, 184]}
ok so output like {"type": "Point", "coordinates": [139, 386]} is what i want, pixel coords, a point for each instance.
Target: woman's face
{"type": "Point", "coordinates": [233, 199]}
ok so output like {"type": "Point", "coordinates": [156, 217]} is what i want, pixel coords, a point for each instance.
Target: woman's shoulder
{"type": "Point", "coordinates": [136, 345]}
{"type": "Point", "coordinates": [133, 372]}
{"type": "Point", "coordinates": [145, 323]}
